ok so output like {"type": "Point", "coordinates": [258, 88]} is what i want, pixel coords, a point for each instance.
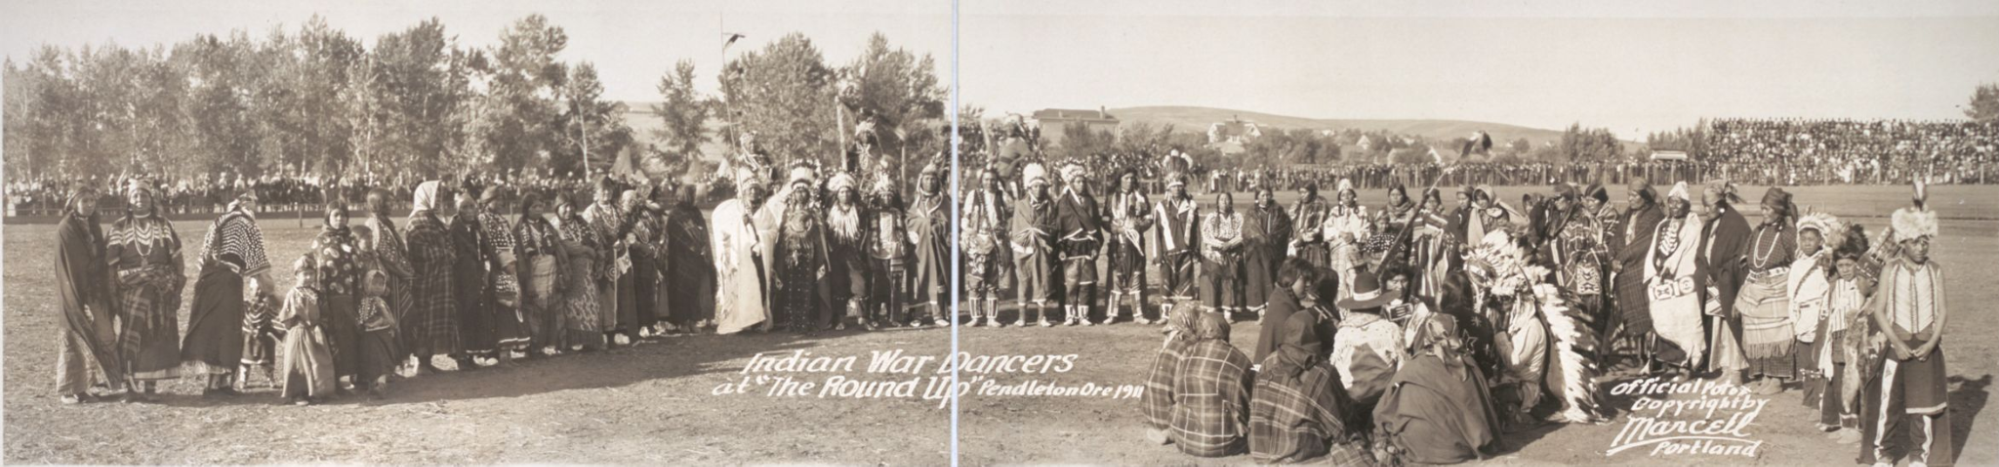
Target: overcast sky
{"type": "Point", "coordinates": [1625, 66]}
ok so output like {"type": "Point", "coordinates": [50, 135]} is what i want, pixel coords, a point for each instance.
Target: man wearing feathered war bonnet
{"type": "Point", "coordinates": [1909, 307]}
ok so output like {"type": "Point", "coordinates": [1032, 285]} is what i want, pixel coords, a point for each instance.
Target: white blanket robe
{"type": "Point", "coordinates": [739, 295]}
{"type": "Point", "coordinates": [1677, 318]}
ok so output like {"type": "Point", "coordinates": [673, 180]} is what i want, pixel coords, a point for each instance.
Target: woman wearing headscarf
{"type": "Point", "coordinates": [433, 312]}
{"type": "Point", "coordinates": [581, 315]}
{"type": "Point", "coordinates": [688, 280]}
{"type": "Point", "coordinates": [232, 258]}
{"type": "Point", "coordinates": [1298, 410]}
{"type": "Point", "coordinates": [1764, 301]}
{"type": "Point", "coordinates": [1673, 286]}
{"type": "Point", "coordinates": [1221, 247]}
{"type": "Point", "coordinates": [541, 256]}
{"type": "Point", "coordinates": [391, 255]}
{"type": "Point", "coordinates": [1437, 409]}
{"type": "Point", "coordinates": [1309, 217]}
{"type": "Point", "coordinates": [1211, 393]}
{"type": "Point", "coordinates": [1157, 400]}
{"type": "Point", "coordinates": [739, 264]}
{"type": "Point", "coordinates": [144, 251]}
{"type": "Point", "coordinates": [88, 333]}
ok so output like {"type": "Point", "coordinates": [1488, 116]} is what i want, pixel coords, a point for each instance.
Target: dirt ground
{"type": "Point", "coordinates": [652, 404]}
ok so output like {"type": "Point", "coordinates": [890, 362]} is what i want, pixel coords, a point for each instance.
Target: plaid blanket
{"type": "Point", "coordinates": [1296, 419]}
{"type": "Point", "coordinates": [1211, 400]}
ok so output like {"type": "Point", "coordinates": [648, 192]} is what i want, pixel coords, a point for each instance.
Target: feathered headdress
{"type": "Point", "coordinates": [1912, 223]}
{"type": "Point", "coordinates": [1034, 173]}
{"type": "Point", "coordinates": [1830, 228]}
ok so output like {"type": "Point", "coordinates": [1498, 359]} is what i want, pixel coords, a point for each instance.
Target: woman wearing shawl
{"type": "Point", "coordinates": [579, 309]}
{"type": "Point", "coordinates": [506, 323]}
{"type": "Point", "coordinates": [1437, 409]}
{"type": "Point", "coordinates": [1395, 216]}
{"type": "Point", "coordinates": [689, 270]}
{"type": "Point", "coordinates": [1764, 301]}
{"type": "Point", "coordinates": [144, 251]}
{"type": "Point", "coordinates": [1633, 239]}
{"type": "Point", "coordinates": [339, 287]}
{"type": "Point", "coordinates": [541, 258]}
{"type": "Point", "coordinates": [1157, 400]}
{"type": "Point", "coordinates": [739, 264]}
{"type": "Point", "coordinates": [1211, 393]}
{"type": "Point", "coordinates": [88, 330]}
{"type": "Point", "coordinates": [1309, 217]}
{"type": "Point", "coordinates": [614, 282]}
{"type": "Point", "coordinates": [1221, 247]}
{"type": "Point", "coordinates": [1673, 287]}
{"type": "Point", "coordinates": [232, 255]}
{"type": "Point", "coordinates": [392, 257]}
{"type": "Point", "coordinates": [433, 312]}
{"type": "Point", "coordinates": [1298, 410]}
{"type": "Point", "coordinates": [1347, 225]}
{"type": "Point", "coordinates": [1722, 270]}
{"type": "Point", "coordinates": [1266, 229]}
{"type": "Point", "coordinates": [1294, 282]}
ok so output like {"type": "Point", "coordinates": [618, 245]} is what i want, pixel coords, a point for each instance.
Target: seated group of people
{"type": "Point", "coordinates": [1357, 389]}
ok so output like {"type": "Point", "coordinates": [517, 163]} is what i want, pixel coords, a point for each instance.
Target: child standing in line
{"type": "Point", "coordinates": [378, 328]}
{"type": "Point", "coordinates": [1908, 307]}
{"type": "Point", "coordinates": [308, 361]}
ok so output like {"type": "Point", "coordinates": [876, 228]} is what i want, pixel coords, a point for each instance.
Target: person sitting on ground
{"type": "Point", "coordinates": [1437, 410]}
{"type": "Point", "coordinates": [1298, 410]}
{"type": "Point", "coordinates": [1157, 400]}
{"type": "Point", "coordinates": [1211, 393]}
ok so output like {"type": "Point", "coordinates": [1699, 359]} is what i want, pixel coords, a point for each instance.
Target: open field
{"type": "Point", "coordinates": [652, 404]}
{"type": "Point", "coordinates": [649, 404]}
{"type": "Point", "coordinates": [1099, 431]}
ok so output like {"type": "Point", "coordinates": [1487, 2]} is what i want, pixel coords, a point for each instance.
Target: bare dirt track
{"type": "Point", "coordinates": [649, 404]}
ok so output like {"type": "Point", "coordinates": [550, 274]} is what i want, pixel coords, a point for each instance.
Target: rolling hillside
{"type": "Point", "coordinates": [1198, 119]}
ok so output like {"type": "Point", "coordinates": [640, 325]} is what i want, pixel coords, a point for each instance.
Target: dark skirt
{"type": "Point", "coordinates": [628, 305]}
{"type": "Point", "coordinates": [797, 299]}
{"type": "Point", "coordinates": [378, 355]}
{"type": "Point", "coordinates": [645, 279]}
{"type": "Point", "coordinates": [1634, 302]}
{"type": "Point", "coordinates": [215, 330]}
{"type": "Point", "coordinates": [690, 291]}
{"type": "Point", "coordinates": [1318, 254]}
{"type": "Point", "coordinates": [343, 333]}
{"type": "Point", "coordinates": [475, 319]}
{"type": "Point", "coordinates": [1259, 274]}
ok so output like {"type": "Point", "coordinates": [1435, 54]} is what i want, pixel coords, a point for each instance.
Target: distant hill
{"type": "Point", "coordinates": [1197, 119]}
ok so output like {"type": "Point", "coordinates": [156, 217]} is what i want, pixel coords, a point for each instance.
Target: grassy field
{"type": "Point", "coordinates": [652, 404]}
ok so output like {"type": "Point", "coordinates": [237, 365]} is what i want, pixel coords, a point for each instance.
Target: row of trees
{"type": "Point", "coordinates": [314, 99]}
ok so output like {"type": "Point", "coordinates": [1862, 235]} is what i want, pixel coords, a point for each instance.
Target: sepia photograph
{"type": "Point", "coordinates": [981, 232]}
{"type": "Point", "coordinates": [1530, 233]}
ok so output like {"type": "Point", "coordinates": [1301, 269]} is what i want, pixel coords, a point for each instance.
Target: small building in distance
{"type": "Point", "coordinates": [1055, 122]}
